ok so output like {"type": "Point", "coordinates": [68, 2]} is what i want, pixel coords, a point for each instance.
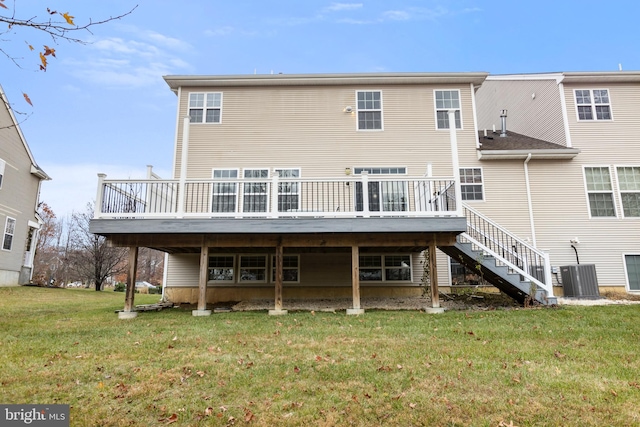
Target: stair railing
{"type": "Point", "coordinates": [508, 249]}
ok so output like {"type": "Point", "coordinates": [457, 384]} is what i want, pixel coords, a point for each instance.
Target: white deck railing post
{"type": "Point", "coordinates": [365, 193]}
{"type": "Point", "coordinates": [455, 163]}
{"type": "Point", "coordinates": [184, 157]}
{"type": "Point", "coordinates": [97, 209]}
{"type": "Point", "coordinates": [274, 196]}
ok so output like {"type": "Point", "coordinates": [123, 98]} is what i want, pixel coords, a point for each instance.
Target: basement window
{"type": "Point", "coordinates": [290, 268]}
{"type": "Point", "coordinates": [221, 268]}
{"type": "Point", "coordinates": [632, 268]}
{"type": "Point", "coordinates": [385, 268]}
{"type": "Point", "coordinates": [253, 268]}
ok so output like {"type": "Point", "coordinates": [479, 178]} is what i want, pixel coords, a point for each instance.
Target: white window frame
{"type": "Point", "coordinates": [9, 231]}
{"type": "Point", "coordinates": [245, 193]}
{"type": "Point", "coordinates": [205, 108]}
{"type": "Point", "coordinates": [273, 268]}
{"type": "Point", "coordinates": [592, 105]}
{"type": "Point", "coordinates": [2, 167]}
{"type": "Point", "coordinates": [626, 272]}
{"type": "Point", "coordinates": [369, 110]}
{"type": "Point", "coordinates": [236, 193]}
{"type": "Point", "coordinates": [383, 267]}
{"type": "Point", "coordinates": [265, 257]}
{"type": "Point", "coordinates": [621, 191]}
{"type": "Point", "coordinates": [383, 186]}
{"type": "Point", "coordinates": [473, 184]}
{"type": "Point", "coordinates": [296, 186]}
{"type": "Point", "coordinates": [233, 268]}
{"type": "Point", "coordinates": [587, 191]}
{"type": "Point", "coordinates": [446, 109]}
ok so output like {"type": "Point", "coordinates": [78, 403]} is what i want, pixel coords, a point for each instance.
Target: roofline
{"type": "Point", "coordinates": [574, 77]}
{"type": "Point", "coordinates": [546, 154]}
{"type": "Point", "coordinates": [177, 81]}
{"type": "Point", "coordinates": [35, 169]}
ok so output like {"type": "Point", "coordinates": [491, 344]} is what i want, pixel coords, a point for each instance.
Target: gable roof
{"type": "Point", "coordinates": [35, 169]}
{"type": "Point", "coordinates": [518, 146]}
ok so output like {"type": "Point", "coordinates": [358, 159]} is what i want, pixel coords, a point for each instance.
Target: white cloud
{"type": "Point", "coordinates": [138, 61]}
{"type": "Point", "coordinates": [397, 15]}
{"type": "Point", "coordinates": [336, 7]}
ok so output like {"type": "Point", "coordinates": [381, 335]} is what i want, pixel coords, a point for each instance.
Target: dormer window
{"type": "Point", "coordinates": [593, 104]}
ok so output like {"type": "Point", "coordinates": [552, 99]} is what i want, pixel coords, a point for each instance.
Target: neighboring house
{"type": "Point", "coordinates": [580, 200]}
{"type": "Point", "coordinates": [322, 186]}
{"type": "Point", "coordinates": [20, 179]}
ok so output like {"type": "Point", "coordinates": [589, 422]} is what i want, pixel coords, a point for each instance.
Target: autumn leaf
{"type": "Point", "coordinates": [296, 370]}
{"type": "Point", "coordinates": [172, 419]}
{"type": "Point", "coordinates": [68, 18]}
{"type": "Point", "coordinates": [248, 416]}
{"type": "Point", "coordinates": [2, 4]}
{"type": "Point", "coordinates": [26, 98]}
{"type": "Point", "coordinates": [49, 51]}
{"type": "Point", "coordinates": [44, 62]}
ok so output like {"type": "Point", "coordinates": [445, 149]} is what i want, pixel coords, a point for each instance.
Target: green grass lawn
{"type": "Point", "coordinates": [575, 366]}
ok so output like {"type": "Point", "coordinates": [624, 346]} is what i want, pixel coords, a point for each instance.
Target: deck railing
{"type": "Point", "coordinates": [278, 197]}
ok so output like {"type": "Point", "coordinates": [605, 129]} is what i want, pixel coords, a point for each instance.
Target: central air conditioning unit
{"type": "Point", "coordinates": [580, 281]}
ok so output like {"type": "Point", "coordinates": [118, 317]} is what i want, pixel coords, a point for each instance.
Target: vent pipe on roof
{"type": "Point", "coordinates": [503, 121]}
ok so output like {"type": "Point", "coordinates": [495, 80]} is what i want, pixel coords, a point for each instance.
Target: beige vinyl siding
{"type": "Point", "coordinates": [306, 127]}
{"type": "Point", "coordinates": [18, 197]}
{"type": "Point", "coordinates": [525, 112]}
{"type": "Point", "coordinates": [316, 270]}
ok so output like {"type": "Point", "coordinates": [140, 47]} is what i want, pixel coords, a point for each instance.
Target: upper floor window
{"type": "Point", "coordinates": [255, 193]}
{"type": "Point", "coordinates": [205, 107]}
{"type": "Point", "coordinates": [2, 163]}
{"type": "Point", "coordinates": [369, 110]}
{"type": "Point", "coordinates": [447, 100]}
{"type": "Point", "coordinates": [599, 191]}
{"type": "Point", "coordinates": [288, 192]}
{"type": "Point", "coordinates": [471, 183]}
{"type": "Point", "coordinates": [629, 185]}
{"type": "Point", "coordinates": [593, 104]}
{"type": "Point", "coordinates": [9, 230]}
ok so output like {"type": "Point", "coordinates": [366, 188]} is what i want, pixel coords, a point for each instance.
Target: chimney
{"type": "Point", "coordinates": [503, 121]}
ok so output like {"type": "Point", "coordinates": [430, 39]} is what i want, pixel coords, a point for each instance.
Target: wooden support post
{"type": "Point", "coordinates": [202, 282]}
{"type": "Point", "coordinates": [433, 280]}
{"type": "Point", "coordinates": [279, 279]}
{"type": "Point", "coordinates": [128, 312]}
{"type": "Point", "coordinates": [355, 282]}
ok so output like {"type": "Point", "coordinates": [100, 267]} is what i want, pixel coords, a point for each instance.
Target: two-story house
{"type": "Point", "coordinates": [306, 186]}
{"type": "Point", "coordinates": [20, 180]}
{"type": "Point", "coordinates": [579, 197]}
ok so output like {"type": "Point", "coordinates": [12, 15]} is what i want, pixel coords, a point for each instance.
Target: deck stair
{"type": "Point", "coordinates": [501, 258]}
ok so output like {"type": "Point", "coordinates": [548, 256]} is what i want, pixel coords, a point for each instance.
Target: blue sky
{"type": "Point", "coordinates": [104, 107]}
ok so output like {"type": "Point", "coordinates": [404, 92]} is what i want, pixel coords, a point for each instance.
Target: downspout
{"type": "Point", "coordinates": [455, 163]}
{"type": "Point", "coordinates": [526, 180]}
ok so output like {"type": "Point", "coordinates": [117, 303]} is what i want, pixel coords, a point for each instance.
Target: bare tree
{"type": "Point", "coordinates": [92, 258]}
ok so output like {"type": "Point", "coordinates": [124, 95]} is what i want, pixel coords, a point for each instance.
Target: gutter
{"type": "Point", "coordinates": [547, 154]}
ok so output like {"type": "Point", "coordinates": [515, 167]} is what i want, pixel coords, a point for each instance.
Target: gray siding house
{"type": "Point", "coordinates": [20, 179]}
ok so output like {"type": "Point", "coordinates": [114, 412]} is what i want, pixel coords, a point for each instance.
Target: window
{"type": "Point", "coordinates": [221, 268]}
{"type": "Point", "coordinates": [632, 267]}
{"type": "Point", "coordinates": [2, 163]}
{"type": "Point", "coordinates": [599, 191]}
{"type": "Point", "coordinates": [205, 107]}
{"type": "Point", "coordinates": [253, 268]}
{"type": "Point", "coordinates": [593, 101]}
{"type": "Point", "coordinates": [255, 193]}
{"type": "Point", "coordinates": [288, 192]}
{"type": "Point", "coordinates": [290, 268]}
{"type": "Point", "coordinates": [225, 194]}
{"type": "Point", "coordinates": [447, 100]}
{"type": "Point", "coordinates": [629, 185]}
{"type": "Point", "coordinates": [9, 230]}
{"type": "Point", "coordinates": [369, 110]}
{"type": "Point", "coordinates": [471, 183]}
{"type": "Point", "coordinates": [376, 268]}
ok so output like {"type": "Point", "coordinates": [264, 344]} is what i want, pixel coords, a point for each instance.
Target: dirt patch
{"type": "Point", "coordinates": [478, 301]}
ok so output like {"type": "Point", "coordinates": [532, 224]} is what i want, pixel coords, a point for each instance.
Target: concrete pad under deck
{"type": "Point", "coordinates": [199, 313]}
{"type": "Point", "coordinates": [277, 312]}
{"type": "Point", "coordinates": [355, 311]}
{"type": "Point", "coordinates": [127, 314]}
